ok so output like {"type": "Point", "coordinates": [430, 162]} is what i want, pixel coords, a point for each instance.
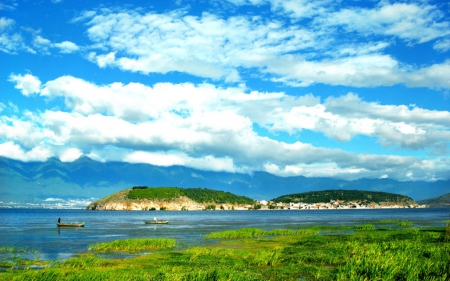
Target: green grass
{"type": "Point", "coordinates": [256, 232]}
{"type": "Point", "coordinates": [248, 254]}
{"type": "Point", "coordinates": [16, 257]}
{"type": "Point", "coordinates": [135, 244]}
{"type": "Point", "coordinates": [401, 223]}
{"type": "Point", "coordinates": [364, 227]}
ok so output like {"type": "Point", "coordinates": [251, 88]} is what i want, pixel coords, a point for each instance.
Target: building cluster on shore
{"type": "Point", "coordinates": [334, 205]}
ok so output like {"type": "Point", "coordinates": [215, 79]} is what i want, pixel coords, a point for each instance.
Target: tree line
{"type": "Point", "coordinates": [201, 195]}
{"type": "Point", "coordinates": [343, 195]}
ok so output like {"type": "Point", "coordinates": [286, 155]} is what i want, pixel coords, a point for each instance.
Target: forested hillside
{"type": "Point", "coordinates": [441, 201]}
{"type": "Point", "coordinates": [344, 195]}
{"type": "Point", "coordinates": [200, 195]}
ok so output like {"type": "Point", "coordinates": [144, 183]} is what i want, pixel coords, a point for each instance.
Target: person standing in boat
{"type": "Point", "coordinates": [59, 220]}
{"type": "Point", "coordinates": [154, 218]}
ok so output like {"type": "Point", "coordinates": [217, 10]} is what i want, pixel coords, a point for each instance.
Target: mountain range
{"type": "Point", "coordinates": [85, 180]}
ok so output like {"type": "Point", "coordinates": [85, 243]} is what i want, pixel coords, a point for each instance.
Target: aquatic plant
{"type": "Point", "coordinates": [238, 233]}
{"type": "Point", "coordinates": [447, 231]}
{"type": "Point", "coordinates": [281, 254]}
{"type": "Point", "coordinates": [396, 260]}
{"type": "Point", "coordinates": [364, 227]}
{"type": "Point", "coordinates": [18, 257]}
{"type": "Point", "coordinates": [256, 232]}
{"type": "Point", "coordinates": [405, 223]}
{"type": "Point", "coordinates": [135, 244]}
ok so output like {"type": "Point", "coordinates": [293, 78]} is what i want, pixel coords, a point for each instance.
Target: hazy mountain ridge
{"type": "Point", "coordinates": [441, 201]}
{"type": "Point", "coordinates": [86, 178]}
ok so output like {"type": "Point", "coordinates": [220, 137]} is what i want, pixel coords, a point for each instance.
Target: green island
{"type": "Point", "coordinates": [377, 250]}
{"type": "Point", "coordinates": [344, 195]}
{"type": "Point", "coordinates": [339, 197]}
{"type": "Point", "coordinates": [186, 199]}
{"type": "Point", "coordinates": [171, 198]}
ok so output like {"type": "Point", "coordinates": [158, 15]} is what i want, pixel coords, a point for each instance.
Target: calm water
{"type": "Point", "coordinates": [37, 230]}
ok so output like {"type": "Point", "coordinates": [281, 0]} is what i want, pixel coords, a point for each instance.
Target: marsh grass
{"type": "Point", "coordinates": [80, 262]}
{"type": "Point", "coordinates": [256, 254]}
{"type": "Point", "coordinates": [134, 244]}
{"type": "Point", "coordinates": [16, 257]}
{"type": "Point", "coordinates": [256, 232]}
{"type": "Point", "coordinates": [364, 227]}
{"type": "Point", "coordinates": [396, 260]}
{"type": "Point", "coordinates": [447, 231]}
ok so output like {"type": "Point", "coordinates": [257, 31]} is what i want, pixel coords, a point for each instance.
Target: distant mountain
{"type": "Point", "coordinates": [88, 179]}
{"type": "Point", "coordinates": [441, 201]}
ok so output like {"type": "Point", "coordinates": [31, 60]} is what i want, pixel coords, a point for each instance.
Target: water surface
{"type": "Point", "coordinates": [36, 228]}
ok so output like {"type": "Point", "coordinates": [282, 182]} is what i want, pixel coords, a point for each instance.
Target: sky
{"type": "Point", "coordinates": [322, 88]}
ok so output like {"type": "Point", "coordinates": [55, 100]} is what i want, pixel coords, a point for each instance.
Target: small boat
{"type": "Point", "coordinates": [70, 224]}
{"type": "Point", "coordinates": [156, 221]}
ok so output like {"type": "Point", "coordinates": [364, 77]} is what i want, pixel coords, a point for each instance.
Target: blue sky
{"type": "Point", "coordinates": [349, 89]}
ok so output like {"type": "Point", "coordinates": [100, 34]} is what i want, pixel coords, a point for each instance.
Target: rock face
{"type": "Point", "coordinates": [120, 202]}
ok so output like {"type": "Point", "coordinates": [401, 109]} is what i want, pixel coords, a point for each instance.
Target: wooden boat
{"type": "Point", "coordinates": [156, 221]}
{"type": "Point", "coordinates": [70, 224]}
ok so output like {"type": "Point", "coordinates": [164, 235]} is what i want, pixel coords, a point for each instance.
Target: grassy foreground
{"type": "Point", "coordinates": [367, 252]}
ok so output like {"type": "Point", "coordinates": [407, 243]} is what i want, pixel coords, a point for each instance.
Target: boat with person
{"type": "Point", "coordinates": [156, 221]}
{"type": "Point", "coordinates": [70, 224]}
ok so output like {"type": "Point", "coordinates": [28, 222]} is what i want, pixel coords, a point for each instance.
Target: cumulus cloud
{"type": "Point", "coordinates": [170, 42]}
{"type": "Point", "coordinates": [442, 45]}
{"type": "Point", "coordinates": [71, 154]}
{"type": "Point", "coordinates": [209, 127]}
{"type": "Point", "coordinates": [12, 150]}
{"type": "Point", "coordinates": [416, 22]}
{"type": "Point", "coordinates": [298, 55]}
{"type": "Point", "coordinates": [299, 43]}
{"type": "Point", "coordinates": [66, 47]}
{"type": "Point", "coordinates": [27, 84]}
{"type": "Point", "coordinates": [10, 41]}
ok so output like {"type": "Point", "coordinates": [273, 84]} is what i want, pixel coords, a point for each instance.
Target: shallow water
{"type": "Point", "coordinates": [36, 229]}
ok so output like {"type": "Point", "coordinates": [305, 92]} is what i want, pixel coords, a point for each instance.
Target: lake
{"type": "Point", "coordinates": [36, 229]}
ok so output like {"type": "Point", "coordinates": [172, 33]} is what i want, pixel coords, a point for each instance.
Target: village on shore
{"type": "Point", "coordinates": [147, 205]}
{"type": "Point", "coordinates": [334, 205]}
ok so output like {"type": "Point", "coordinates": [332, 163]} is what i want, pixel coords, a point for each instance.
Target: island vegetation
{"type": "Point", "coordinates": [346, 196]}
{"type": "Point", "coordinates": [440, 202]}
{"type": "Point", "coordinates": [174, 198]}
{"type": "Point", "coordinates": [200, 195]}
{"type": "Point", "coordinates": [378, 250]}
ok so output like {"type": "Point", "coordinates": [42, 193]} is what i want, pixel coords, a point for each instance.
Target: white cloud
{"type": "Point", "coordinates": [70, 155]}
{"type": "Point", "coordinates": [13, 42]}
{"type": "Point", "coordinates": [10, 41]}
{"type": "Point", "coordinates": [203, 126]}
{"type": "Point", "coordinates": [11, 150]}
{"type": "Point", "coordinates": [66, 47]}
{"type": "Point", "coordinates": [166, 111]}
{"type": "Point", "coordinates": [297, 55]}
{"type": "Point", "coordinates": [301, 8]}
{"type": "Point", "coordinates": [28, 84]}
{"type": "Point", "coordinates": [414, 22]}
{"type": "Point", "coordinates": [6, 24]}
{"type": "Point", "coordinates": [170, 42]}
{"type": "Point", "coordinates": [442, 45]}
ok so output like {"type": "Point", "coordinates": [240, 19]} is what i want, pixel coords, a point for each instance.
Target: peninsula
{"type": "Point", "coordinates": [193, 199]}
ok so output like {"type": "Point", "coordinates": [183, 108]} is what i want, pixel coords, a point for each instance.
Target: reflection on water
{"type": "Point", "coordinates": [37, 230]}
